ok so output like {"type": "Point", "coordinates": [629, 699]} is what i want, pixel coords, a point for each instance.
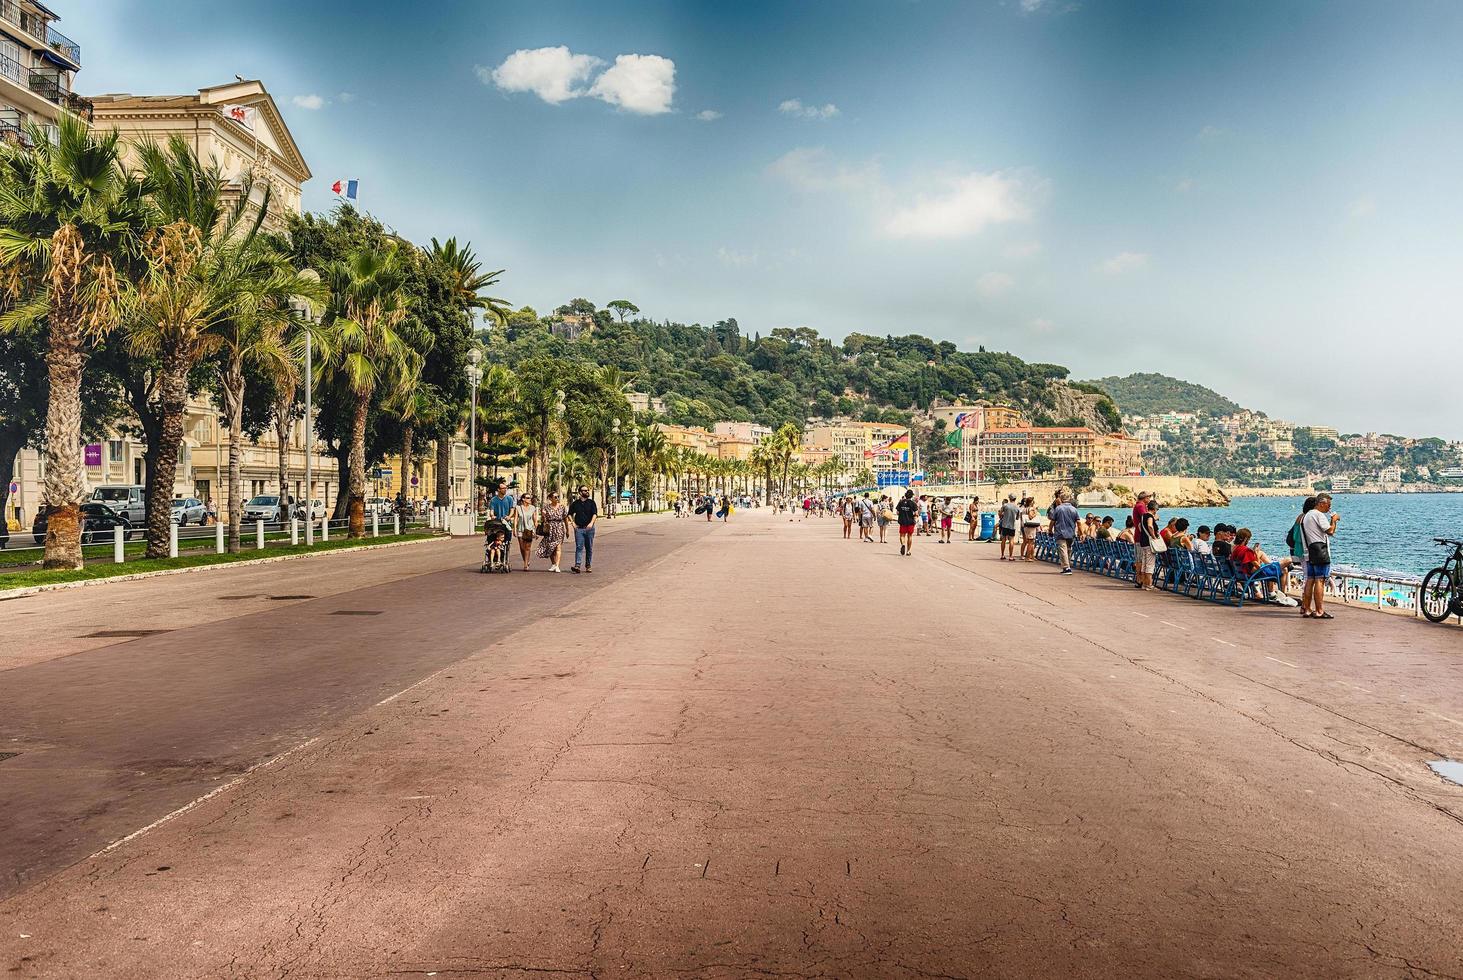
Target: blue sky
{"type": "Point", "coordinates": [1261, 197]}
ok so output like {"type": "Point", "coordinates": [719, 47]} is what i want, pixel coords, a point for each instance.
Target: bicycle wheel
{"type": "Point", "coordinates": [1436, 597]}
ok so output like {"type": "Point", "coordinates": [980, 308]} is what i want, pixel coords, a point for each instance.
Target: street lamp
{"type": "Point", "coordinates": [615, 504]}
{"type": "Point", "coordinates": [307, 313]}
{"type": "Point", "coordinates": [634, 469]}
{"type": "Point", "coordinates": [559, 413]}
{"type": "Point", "coordinates": [474, 378]}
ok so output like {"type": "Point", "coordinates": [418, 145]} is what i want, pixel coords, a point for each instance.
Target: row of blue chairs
{"type": "Point", "coordinates": [1178, 571]}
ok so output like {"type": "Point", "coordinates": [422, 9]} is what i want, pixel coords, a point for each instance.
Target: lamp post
{"type": "Point", "coordinates": [634, 469]}
{"type": "Point", "coordinates": [474, 378]}
{"type": "Point", "coordinates": [615, 504]}
{"type": "Point", "coordinates": [307, 313]}
{"type": "Point", "coordinates": [559, 413]}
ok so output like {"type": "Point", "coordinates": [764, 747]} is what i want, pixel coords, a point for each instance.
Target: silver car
{"type": "Point", "coordinates": [262, 508]}
{"type": "Point", "coordinates": [189, 510]}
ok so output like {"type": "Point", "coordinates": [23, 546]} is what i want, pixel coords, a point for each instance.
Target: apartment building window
{"type": "Point", "coordinates": [114, 451]}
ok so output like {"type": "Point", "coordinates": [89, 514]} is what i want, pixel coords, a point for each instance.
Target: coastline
{"type": "Point", "coordinates": [1359, 491]}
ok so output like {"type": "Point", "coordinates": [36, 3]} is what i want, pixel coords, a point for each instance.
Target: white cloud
{"type": "Point", "coordinates": [993, 284]}
{"type": "Point", "coordinates": [1031, 6]}
{"type": "Point", "coordinates": [1022, 250]}
{"type": "Point", "coordinates": [966, 207]}
{"type": "Point", "coordinates": [1041, 325]}
{"type": "Point", "coordinates": [1362, 207]}
{"type": "Point", "coordinates": [1211, 134]}
{"type": "Point", "coordinates": [640, 83]}
{"type": "Point", "coordinates": [1124, 262]}
{"type": "Point", "coordinates": [708, 115]}
{"type": "Point", "coordinates": [347, 96]}
{"type": "Point", "coordinates": [311, 101]}
{"type": "Point", "coordinates": [808, 168]}
{"type": "Point", "coordinates": [795, 107]}
{"type": "Point", "coordinates": [737, 260]}
{"type": "Point", "coordinates": [553, 74]}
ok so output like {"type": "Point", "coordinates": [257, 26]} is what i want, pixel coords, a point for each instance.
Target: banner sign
{"type": "Point", "coordinates": [93, 454]}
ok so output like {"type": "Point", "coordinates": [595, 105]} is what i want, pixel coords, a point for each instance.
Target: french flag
{"type": "Point", "coordinates": [345, 188]}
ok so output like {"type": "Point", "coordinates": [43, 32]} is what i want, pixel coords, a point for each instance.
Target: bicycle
{"type": "Point", "coordinates": [1442, 588]}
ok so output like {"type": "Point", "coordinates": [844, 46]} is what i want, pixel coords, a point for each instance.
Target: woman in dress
{"type": "Point", "coordinates": [554, 530]}
{"type": "Point", "coordinates": [524, 518]}
{"type": "Point", "coordinates": [1031, 523]}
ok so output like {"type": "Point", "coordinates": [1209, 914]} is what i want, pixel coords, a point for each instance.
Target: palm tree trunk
{"type": "Point", "coordinates": [65, 482]}
{"type": "Point", "coordinates": [444, 474]}
{"type": "Point", "coordinates": [358, 466]}
{"type": "Point", "coordinates": [173, 404]}
{"type": "Point", "coordinates": [233, 385]}
{"type": "Point", "coordinates": [408, 433]}
{"type": "Point", "coordinates": [283, 423]}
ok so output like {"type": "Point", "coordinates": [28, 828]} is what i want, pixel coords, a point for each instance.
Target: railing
{"type": "Point", "coordinates": [11, 69]}
{"type": "Point", "coordinates": [63, 45]}
{"type": "Point", "coordinates": [78, 105]}
{"type": "Point", "coordinates": [12, 130]}
{"type": "Point", "coordinates": [46, 82]}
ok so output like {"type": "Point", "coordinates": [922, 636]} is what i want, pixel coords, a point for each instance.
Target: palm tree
{"type": "Point", "coordinates": [368, 302]}
{"type": "Point", "coordinates": [787, 441]}
{"type": "Point", "coordinates": [469, 280]}
{"type": "Point", "coordinates": [186, 291]}
{"type": "Point", "coordinates": [69, 217]}
{"type": "Point", "coordinates": [764, 456]}
{"type": "Point", "coordinates": [570, 470]}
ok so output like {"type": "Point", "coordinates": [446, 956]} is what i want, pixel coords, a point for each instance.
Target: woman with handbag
{"type": "Point", "coordinates": [552, 530]}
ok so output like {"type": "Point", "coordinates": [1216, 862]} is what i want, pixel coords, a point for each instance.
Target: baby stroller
{"type": "Point", "coordinates": [495, 546]}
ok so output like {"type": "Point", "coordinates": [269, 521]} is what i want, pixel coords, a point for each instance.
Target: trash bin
{"type": "Point", "coordinates": [987, 526]}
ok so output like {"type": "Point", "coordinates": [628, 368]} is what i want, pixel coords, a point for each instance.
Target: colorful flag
{"type": "Point", "coordinates": [896, 448]}
{"type": "Point", "coordinates": [345, 188]}
{"type": "Point", "coordinates": [241, 114]}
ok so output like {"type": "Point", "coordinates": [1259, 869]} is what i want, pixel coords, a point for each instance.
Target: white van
{"type": "Point", "coordinates": [128, 500]}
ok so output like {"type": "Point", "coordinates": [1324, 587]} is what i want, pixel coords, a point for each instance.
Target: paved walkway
{"type": "Point", "coordinates": [757, 750]}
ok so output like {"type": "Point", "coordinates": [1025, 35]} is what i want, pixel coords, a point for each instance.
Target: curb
{"type": "Point", "coordinates": [83, 583]}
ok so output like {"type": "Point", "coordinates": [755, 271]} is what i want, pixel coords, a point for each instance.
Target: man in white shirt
{"type": "Point", "coordinates": [1200, 545]}
{"type": "Point", "coordinates": [1317, 527]}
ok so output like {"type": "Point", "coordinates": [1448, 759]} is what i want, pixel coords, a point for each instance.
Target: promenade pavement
{"type": "Point", "coordinates": [752, 750]}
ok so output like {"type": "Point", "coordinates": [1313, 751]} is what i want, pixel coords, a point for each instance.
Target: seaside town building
{"type": "Point", "coordinates": [850, 443]}
{"type": "Point", "coordinates": [37, 67]}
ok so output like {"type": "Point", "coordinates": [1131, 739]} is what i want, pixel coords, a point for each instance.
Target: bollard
{"type": "Point", "coordinates": [218, 538]}
{"type": "Point", "coordinates": [172, 540]}
{"type": "Point", "coordinates": [375, 524]}
{"type": "Point", "coordinates": [294, 531]}
{"type": "Point", "coordinates": [117, 547]}
{"type": "Point", "coordinates": [395, 523]}
{"type": "Point", "coordinates": [259, 535]}
{"type": "Point", "coordinates": [325, 528]}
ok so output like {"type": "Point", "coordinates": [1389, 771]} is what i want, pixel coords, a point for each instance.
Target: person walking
{"type": "Point", "coordinates": [1030, 524]}
{"type": "Point", "coordinates": [1064, 518]}
{"type": "Point", "coordinates": [907, 511]}
{"type": "Point", "coordinates": [845, 510]}
{"type": "Point", "coordinates": [1318, 527]}
{"type": "Point", "coordinates": [947, 520]}
{"type": "Point", "coordinates": [584, 512]}
{"type": "Point", "coordinates": [524, 519]}
{"type": "Point", "coordinates": [885, 513]}
{"type": "Point", "coordinates": [501, 505]}
{"type": "Point", "coordinates": [553, 530]}
{"type": "Point", "coordinates": [972, 519]}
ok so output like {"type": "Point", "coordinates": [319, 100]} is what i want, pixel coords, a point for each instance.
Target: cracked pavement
{"type": "Point", "coordinates": [757, 750]}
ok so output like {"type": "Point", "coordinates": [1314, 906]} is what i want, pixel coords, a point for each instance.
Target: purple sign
{"type": "Point", "coordinates": [93, 454]}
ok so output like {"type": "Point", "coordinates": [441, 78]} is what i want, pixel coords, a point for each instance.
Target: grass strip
{"type": "Point", "coordinates": [21, 580]}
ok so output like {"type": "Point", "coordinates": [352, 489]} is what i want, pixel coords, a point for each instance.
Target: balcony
{"type": "Point", "coordinates": [63, 45]}
{"type": "Point", "coordinates": [10, 68]}
{"type": "Point", "coordinates": [33, 24]}
{"type": "Point", "coordinates": [49, 84]}
{"type": "Point", "coordinates": [12, 127]}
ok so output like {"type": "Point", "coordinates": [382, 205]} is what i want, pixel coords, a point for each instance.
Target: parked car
{"type": "Point", "coordinates": [263, 508]}
{"type": "Point", "coordinates": [317, 509]}
{"type": "Point", "coordinates": [97, 522]}
{"type": "Point", "coordinates": [189, 510]}
{"type": "Point", "coordinates": [128, 500]}
{"type": "Point", "coordinates": [379, 505]}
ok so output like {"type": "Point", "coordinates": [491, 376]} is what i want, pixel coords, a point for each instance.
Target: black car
{"type": "Point", "coordinates": [97, 521]}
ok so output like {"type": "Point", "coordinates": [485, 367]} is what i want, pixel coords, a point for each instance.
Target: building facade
{"type": "Point", "coordinates": [38, 65]}
{"type": "Point", "coordinates": [850, 443]}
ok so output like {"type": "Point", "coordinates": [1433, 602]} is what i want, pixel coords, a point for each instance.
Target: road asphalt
{"type": "Point", "coordinates": [751, 749]}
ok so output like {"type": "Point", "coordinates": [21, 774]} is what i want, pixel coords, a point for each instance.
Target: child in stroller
{"type": "Point", "coordinates": [495, 545]}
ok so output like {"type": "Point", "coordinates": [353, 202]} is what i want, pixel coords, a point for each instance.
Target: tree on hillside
{"type": "Point", "coordinates": [1041, 463]}
{"type": "Point", "coordinates": [622, 308]}
{"type": "Point", "coordinates": [1081, 477]}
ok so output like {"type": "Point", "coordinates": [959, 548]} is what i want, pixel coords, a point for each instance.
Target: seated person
{"type": "Point", "coordinates": [1126, 534]}
{"type": "Point", "coordinates": [1200, 544]}
{"type": "Point", "coordinates": [1223, 541]}
{"type": "Point", "coordinates": [1180, 537]}
{"type": "Point", "coordinates": [1250, 560]}
{"type": "Point", "coordinates": [1104, 530]}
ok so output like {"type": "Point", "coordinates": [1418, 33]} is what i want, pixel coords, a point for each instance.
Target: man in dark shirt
{"type": "Point", "coordinates": [583, 511]}
{"type": "Point", "coordinates": [1223, 541]}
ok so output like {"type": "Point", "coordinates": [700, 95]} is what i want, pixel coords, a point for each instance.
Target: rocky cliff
{"type": "Point", "coordinates": [1172, 491]}
{"type": "Point", "coordinates": [1072, 403]}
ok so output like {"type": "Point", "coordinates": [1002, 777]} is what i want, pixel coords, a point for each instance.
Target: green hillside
{"type": "Point", "coordinates": [705, 374]}
{"type": "Point", "coordinates": [1150, 394]}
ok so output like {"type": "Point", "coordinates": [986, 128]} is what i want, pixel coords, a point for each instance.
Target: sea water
{"type": "Point", "coordinates": [1379, 532]}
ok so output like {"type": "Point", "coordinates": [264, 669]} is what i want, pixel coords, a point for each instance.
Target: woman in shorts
{"type": "Point", "coordinates": [1030, 524]}
{"type": "Point", "coordinates": [522, 520]}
